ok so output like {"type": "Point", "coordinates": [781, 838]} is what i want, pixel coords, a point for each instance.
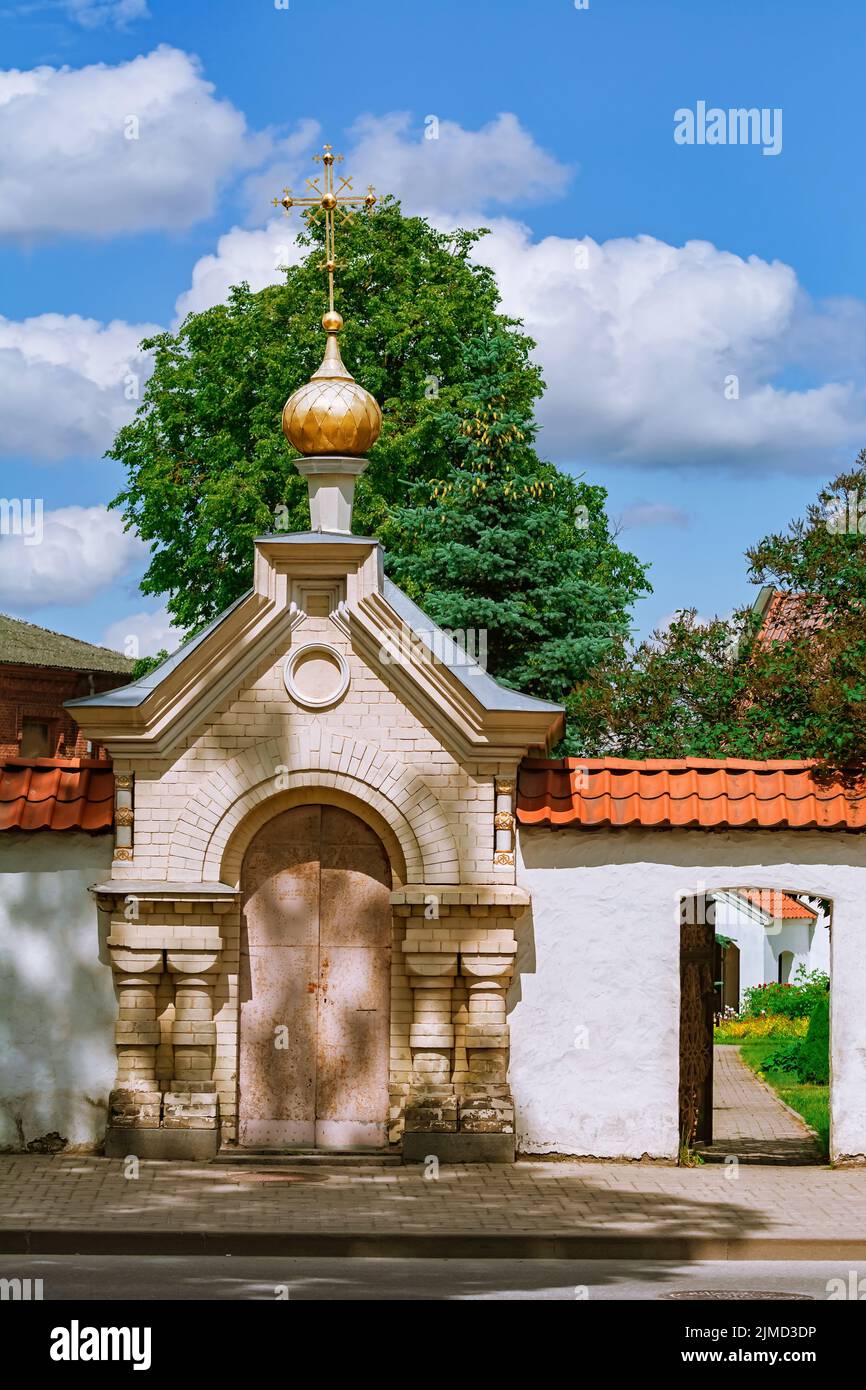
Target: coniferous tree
{"type": "Point", "coordinates": [508, 547]}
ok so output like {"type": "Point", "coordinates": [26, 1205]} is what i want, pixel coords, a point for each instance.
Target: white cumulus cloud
{"type": "Point", "coordinates": [663, 354]}
{"type": "Point", "coordinates": [652, 354]}
{"type": "Point", "coordinates": [81, 551]}
{"type": "Point", "coordinates": [68, 383]}
{"type": "Point", "coordinates": [459, 172]}
{"type": "Point", "coordinates": [101, 150]}
{"type": "Point", "coordinates": [453, 178]}
{"type": "Point", "coordinates": [143, 634]}
{"type": "Point", "coordinates": [254, 256]}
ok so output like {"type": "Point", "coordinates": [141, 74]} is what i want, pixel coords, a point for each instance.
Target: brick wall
{"type": "Point", "coordinates": [38, 692]}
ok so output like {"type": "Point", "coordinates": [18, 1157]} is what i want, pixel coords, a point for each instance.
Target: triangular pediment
{"type": "Point", "coordinates": [341, 577]}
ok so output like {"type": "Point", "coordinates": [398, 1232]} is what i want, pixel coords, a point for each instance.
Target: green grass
{"type": "Point", "coordinates": [812, 1102]}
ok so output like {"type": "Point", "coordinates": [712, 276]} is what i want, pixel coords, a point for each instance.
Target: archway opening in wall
{"type": "Point", "coordinates": [314, 983]}
{"type": "Point", "coordinates": [754, 1082]}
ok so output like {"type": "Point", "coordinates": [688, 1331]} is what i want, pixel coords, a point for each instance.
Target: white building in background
{"type": "Point", "coordinates": [774, 933]}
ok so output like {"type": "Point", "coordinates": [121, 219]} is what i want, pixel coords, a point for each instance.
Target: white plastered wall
{"type": "Point", "coordinates": [57, 1002]}
{"type": "Point", "coordinates": [594, 1007]}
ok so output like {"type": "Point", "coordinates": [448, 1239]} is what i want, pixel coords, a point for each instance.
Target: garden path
{"type": "Point", "coordinates": [750, 1122]}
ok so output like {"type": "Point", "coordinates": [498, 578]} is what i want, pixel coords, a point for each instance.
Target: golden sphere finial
{"type": "Point", "coordinates": [332, 413]}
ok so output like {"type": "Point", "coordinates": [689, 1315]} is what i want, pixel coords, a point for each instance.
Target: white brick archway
{"type": "Point", "coordinates": [342, 764]}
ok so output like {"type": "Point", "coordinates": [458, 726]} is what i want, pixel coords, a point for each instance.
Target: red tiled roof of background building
{"type": "Point", "coordinates": [782, 907]}
{"type": "Point", "coordinates": [47, 794]}
{"type": "Point", "coordinates": [688, 793]}
{"type": "Point", "coordinates": [786, 615]}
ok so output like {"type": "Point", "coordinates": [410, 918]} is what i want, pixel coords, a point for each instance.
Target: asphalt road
{"type": "Point", "coordinates": [108, 1277]}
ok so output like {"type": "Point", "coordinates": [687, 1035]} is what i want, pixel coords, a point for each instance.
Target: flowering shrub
{"type": "Point", "coordinates": [767, 1026]}
{"type": "Point", "coordinates": [796, 1000]}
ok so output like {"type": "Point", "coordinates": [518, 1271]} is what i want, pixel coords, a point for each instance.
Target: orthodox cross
{"type": "Point", "coordinates": [326, 202]}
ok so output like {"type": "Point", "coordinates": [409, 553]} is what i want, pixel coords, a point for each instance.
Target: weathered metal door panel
{"type": "Point", "coordinates": [315, 982]}
{"type": "Point", "coordinates": [354, 985]}
{"type": "Point", "coordinates": [278, 971]}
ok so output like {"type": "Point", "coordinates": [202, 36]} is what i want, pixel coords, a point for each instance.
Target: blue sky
{"type": "Point", "coordinates": [700, 262]}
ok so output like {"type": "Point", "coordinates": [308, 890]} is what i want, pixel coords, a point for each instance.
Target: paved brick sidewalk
{"type": "Point", "coordinates": [589, 1208]}
{"type": "Point", "coordinates": [750, 1121]}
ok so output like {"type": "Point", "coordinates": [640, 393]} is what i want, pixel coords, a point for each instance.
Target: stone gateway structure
{"type": "Point", "coordinates": [313, 896]}
{"type": "Point", "coordinates": [313, 908]}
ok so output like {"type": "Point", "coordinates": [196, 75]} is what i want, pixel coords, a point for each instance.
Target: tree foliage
{"type": "Point", "coordinates": [501, 544]}
{"type": "Point", "coordinates": [720, 689]}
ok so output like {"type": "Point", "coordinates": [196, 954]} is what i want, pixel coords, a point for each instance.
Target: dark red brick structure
{"type": "Point", "coordinates": [39, 669]}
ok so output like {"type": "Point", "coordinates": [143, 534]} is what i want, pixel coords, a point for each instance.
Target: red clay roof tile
{"type": "Point", "coordinates": [782, 907]}
{"type": "Point", "coordinates": [48, 794]}
{"type": "Point", "coordinates": [699, 793]}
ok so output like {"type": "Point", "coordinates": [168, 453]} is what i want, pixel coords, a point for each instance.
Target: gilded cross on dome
{"type": "Point", "coordinates": [328, 200]}
{"type": "Point", "coordinates": [331, 417]}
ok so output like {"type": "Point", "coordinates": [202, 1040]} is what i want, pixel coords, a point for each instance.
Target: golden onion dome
{"type": "Point", "coordinates": [332, 414]}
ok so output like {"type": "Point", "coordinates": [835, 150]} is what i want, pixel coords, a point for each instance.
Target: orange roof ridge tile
{"type": "Point", "coordinates": [703, 793]}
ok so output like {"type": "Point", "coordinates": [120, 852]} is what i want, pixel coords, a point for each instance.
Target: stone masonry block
{"type": "Point", "coordinates": [134, 1109]}
{"type": "Point", "coordinates": [190, 1110]}
{"type": "Point", "coordinates": [486, 1115]}
{"type": "Point", "coordinates": [432, 1114]}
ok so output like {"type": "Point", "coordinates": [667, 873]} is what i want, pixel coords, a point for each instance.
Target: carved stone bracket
{"type": "Point", "coordinates": [431, 1104]}
{"type": "Point", "coordinates": [486, 1106]}
{"type": "Point", "coordinates": [135, 1102]}
{"type": "Point", "coordinates": [193, 1032]}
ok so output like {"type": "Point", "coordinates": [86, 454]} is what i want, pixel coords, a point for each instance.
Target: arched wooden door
{"type": "Point", "coordinates": [315, 983]}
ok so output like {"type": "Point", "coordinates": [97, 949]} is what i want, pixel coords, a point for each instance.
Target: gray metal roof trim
{"type": "Point", "coordinates": [486, 690]}
{"type": "Point", "coordinates": [490, 694]}
{"type": "Point", "coordinates": [298, 537]}
{"type": "Point", "coordinates": [130, 696]}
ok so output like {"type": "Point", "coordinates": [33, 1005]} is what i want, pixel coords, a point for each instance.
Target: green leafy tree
{"type": "Point", "coordinates": [143, 665]}
{"type": "Point", "coordinates": [501, 545]}
{"type": "Point", "coordinates": [206, 463]}
{"type": "Point", "coordinates": [720, 689]}
{"type": "Point", "coordinates": [672, 695]}
{"type": "Point", "coordinates": [207, 467]}
{"type": "Point", "coordinates": [823, 558]}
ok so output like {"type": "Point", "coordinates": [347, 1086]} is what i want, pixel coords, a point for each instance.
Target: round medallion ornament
{"type": "Point", "coordinates": [316, 675]}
